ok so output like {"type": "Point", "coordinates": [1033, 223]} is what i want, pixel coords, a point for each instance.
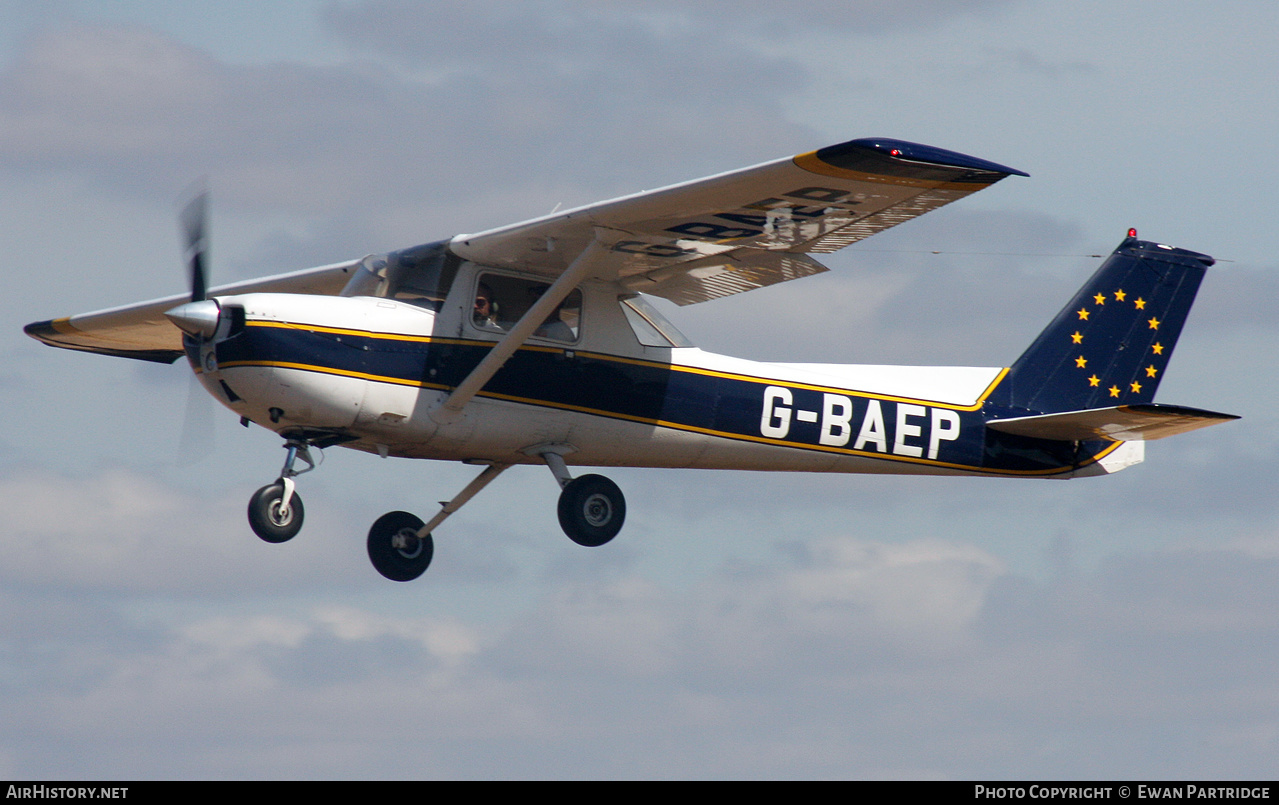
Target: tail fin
{"type": "Point", "coordinates": [1111, 344]}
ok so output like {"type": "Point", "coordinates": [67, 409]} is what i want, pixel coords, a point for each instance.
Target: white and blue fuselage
{"type": "Point", "coordinates": [369, 372]}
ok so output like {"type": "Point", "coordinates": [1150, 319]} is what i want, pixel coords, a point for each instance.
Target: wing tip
{"type": "Point", "coordinates": [53, 333]}
{"type": "Point", "coordinates": [907, 157]}
{"type": "Point", "coordinates": [47, 329]}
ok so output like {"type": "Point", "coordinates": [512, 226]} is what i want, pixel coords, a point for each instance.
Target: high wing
{"type": "Point", "coordinates": [141, 331]}
{"type": "Point", "coordinates": [689, 242]}
{"type": "Point", "coordinates": [745, 229]}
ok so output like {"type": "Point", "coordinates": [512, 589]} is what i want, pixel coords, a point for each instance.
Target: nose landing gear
{"type": "Point", "coordinates": [275, 510]}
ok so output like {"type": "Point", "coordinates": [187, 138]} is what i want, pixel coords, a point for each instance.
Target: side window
{"type": "Point", "coordinates": [502, 301]}
{"type": "Point", "coordinates": [651, 328]}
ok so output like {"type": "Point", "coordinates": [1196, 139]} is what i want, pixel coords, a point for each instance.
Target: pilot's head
{"type": "Point", "coordinates": [484, 303]}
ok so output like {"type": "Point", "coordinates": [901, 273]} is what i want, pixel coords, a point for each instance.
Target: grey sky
{"type": "Point", "coordinates": [743, 625]}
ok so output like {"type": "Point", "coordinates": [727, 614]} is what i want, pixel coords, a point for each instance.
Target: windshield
{"type": "Point", "coordinates": [421, 275]}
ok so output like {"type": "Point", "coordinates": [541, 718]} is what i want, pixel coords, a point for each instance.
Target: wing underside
{"type": "Point", "coordinates": [746, 229]}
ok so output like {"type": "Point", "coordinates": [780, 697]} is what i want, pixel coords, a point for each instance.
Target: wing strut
{"type": "Point", "coordinates": [577, 271]}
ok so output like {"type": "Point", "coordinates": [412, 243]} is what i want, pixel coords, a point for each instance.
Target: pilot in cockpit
{"type": "Point", "coordinates": [485, 314]}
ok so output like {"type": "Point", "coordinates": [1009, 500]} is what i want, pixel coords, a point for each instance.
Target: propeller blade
{"type": "Point", "coordinates": [194, 224]}
{"type": "Point", "coordinates": [199, 320]}
{"type": "Point", "coordinates": [198, 434]}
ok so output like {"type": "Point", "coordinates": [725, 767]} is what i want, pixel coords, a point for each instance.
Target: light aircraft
{"type": "Point", "coordinates": [534, 344]}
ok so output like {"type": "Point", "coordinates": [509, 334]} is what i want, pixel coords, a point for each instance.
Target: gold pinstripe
{"type": "Point", "coordinates": [65, 327]}
{"type": "Point", "coordinates": [674, 367]}
{"type": "Point", "coordinates": [658, 422]}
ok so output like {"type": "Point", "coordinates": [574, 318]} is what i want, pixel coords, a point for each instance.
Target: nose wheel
{"type": "Point", "coordinates": [275, 510]}
{"type": "Point", "coordinates": [273, 518]}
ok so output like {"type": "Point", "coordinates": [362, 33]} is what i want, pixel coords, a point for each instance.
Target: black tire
{"type": "Point", "coordinates": [399, 563]}
{"type": "Point", "coordinates": [271, 523]}
{"type": "Point", "coordinates": [592, 510]}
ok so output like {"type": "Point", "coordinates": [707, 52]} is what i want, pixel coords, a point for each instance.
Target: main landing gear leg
{"type": "Point", "coordinates": [591, 508]}
{"type": "Point", "coordinates": [400, 545]}
{"type": "Point", "coordinates": [275, 510]}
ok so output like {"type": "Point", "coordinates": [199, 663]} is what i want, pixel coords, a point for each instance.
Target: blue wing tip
{"type": "Point", "coordinates": [917, 152]}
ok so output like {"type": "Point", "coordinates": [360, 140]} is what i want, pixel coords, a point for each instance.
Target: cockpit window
{"type": "Point", "coordinates": [420, 276]}
{"type": "Point", "coordinates": [650, 326]}
{"type": "Point", "coordinates": [501, 301]}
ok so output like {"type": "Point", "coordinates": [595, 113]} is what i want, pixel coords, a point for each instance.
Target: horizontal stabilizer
{"type": "Point", "coordinates": [1123, 423]}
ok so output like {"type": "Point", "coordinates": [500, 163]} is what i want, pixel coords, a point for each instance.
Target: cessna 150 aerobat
{"type": "Point", "coordinates": [534, 344]}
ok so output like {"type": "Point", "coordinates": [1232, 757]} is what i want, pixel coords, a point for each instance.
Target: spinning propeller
{"type": "Point", "coordinates": [199, 317]}
{"type": "Point", "coordinates": [199, 320]}
{"type": "Point", "coordinates": [193, 222]}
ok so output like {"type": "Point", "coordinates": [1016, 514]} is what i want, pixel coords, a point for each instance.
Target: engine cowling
{"type": "Point", "coordinates": [289, 361]}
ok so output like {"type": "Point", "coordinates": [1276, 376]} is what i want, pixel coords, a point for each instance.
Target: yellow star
{"type": "Point", "coordinates": [1141, 303]}
{"type": "Point", "coordinates": [1081, 362]}
{"type": "Point", "coordinates": [1154, 324]}
{"type": "Point", "coordinates": [1135, 386]}
{"type": "Point", "coordinates": [1114, 391]}
{"type": "Point", "coordinates": [1151, 371]}
{"type": "Point", "coordinates": [1077, 337]}
{"type": "Point", "coordinates": [1158, 348]}
{"type": "Point", "coordinates": [1100, 298]}
{"type": "Point", "coordinates": [1119, 295]}
{"type": "Point", "coordinates": [1094, 381]}
{"type": "Point", "coordinates": [1083, 313]}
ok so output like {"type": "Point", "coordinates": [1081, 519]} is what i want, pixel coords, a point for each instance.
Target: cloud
{"type": "Point", "coordinates": [116, 530]}
{"type": "Point", "coordinates": [840, 657]}
{"type": "Point", "coordinates": [489, 29]}
{"type": "Point", "coordinates": [134, 111]}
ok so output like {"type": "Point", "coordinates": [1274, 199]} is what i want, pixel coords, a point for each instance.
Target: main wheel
{"type": "Point", "coordinates": [591, 510]}
{"type": "Point", "coordinates": [396, 550]}
{"type": "Point", "coordinates": [269, 519]}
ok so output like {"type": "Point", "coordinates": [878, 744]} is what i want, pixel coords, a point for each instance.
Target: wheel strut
{"type": "Point", "coordinates": [459, 500]}
{"type": "Point", "coordinates": [298, 449]}
{"type": "Point", "coordinates": [591, 508]}
{"type": "Point", "coordinates": [400, 544]}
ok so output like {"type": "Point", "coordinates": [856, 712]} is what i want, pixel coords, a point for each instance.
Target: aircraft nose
{"type": "Point", "coordinates": [196, 318]}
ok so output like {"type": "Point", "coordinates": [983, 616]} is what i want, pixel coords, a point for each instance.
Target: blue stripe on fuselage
{"type": "Point", "coordinates": [669, 395]}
